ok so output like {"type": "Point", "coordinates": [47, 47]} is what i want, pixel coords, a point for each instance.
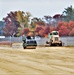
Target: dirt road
{"type": "Point", "coordinates": [39, 61]}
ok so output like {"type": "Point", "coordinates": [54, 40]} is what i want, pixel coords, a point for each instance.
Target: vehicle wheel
{"type": "Point", "coordinates": [57, 45]}
{"type": "Point", "coordinates": [47, 42]}
{"type": "Point", "coordinates": [24, 47]}
{"type": "Point", "coordinates": [60, 44]}
{"type": "Point", "coordinates": [51, 44]}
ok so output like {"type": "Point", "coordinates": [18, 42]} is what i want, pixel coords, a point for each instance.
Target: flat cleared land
{"type": "Point", "coordinates": [39, 61]}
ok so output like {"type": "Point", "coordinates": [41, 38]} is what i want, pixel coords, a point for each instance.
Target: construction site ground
{"type": "Point", "coordinates": [39, 61]}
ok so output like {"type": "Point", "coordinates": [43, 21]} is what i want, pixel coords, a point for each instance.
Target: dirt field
{"type": "Point", "coordinates": [39, 61]}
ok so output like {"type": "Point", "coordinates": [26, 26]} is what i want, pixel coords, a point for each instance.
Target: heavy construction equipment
{"type": "Point", "coordinates": [54, 39]}
{"type": "Point", "coordinates": [29, 42]}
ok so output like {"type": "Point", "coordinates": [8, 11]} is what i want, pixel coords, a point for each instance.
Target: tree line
{"type": "Point", "coordinates": [17, 23]}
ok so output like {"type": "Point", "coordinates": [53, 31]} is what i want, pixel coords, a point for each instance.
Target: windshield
{"type": "Point", "coordinates": [55, 33]}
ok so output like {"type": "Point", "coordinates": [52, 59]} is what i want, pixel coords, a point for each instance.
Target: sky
{"type": "Point", "coordinates": [37, 8]}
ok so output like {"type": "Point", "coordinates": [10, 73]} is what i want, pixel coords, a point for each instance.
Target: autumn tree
{"type": "Point", "coordinates": [71, 25]}
{"type": "Point", "coordinates": [41, 33]}
{"type": "Point", "coordinates": [52, 29]}
{"type": "Point", "coordinates": [8, 30]}
{"type": "Point", "coordinates": [64, 28]}
{"type": "Point", "coordinates": [11, 24]}
{"type": "Point", "coordinates": [23, 18]}
{"type": "Point", "coordinates": [63, 31]}
{"type": "Point", "coordinates": [33, 24]}
{"type": "Point", "coordinates": [38, 30]}
{"type": "Point", "coordinates": [25, 31]}
{"type": "Point", "coordinates": [71, 32]}
{"type": "Point", "coordinates": [18, 20]}
{"type": "Point", "coordinates": [47, 30]}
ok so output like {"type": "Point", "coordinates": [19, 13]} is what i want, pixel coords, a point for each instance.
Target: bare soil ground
{"type": "Point", "coordinates": [39, 61]}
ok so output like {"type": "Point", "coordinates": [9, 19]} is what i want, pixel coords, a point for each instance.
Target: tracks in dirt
{"type": "Point", "coordinates": [40, 61]}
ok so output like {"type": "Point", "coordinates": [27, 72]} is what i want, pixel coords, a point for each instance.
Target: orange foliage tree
{"type": "Point", "coordinates": [52, 29]}
{"type": "Point", "coordinates": [46, 30]}
{"type": "Point", "coordinates": [65, 28]}
{"type": "Point", "coordinates": [41, 33]}
{"type": "Point", "coordinates": [39, 30]}
{"type": "Point", "coordinates": [25, 31]}
{"type": "Point", "coordinates": [71, 25]}
{"type": "Point", "coordinates": [71, 32]}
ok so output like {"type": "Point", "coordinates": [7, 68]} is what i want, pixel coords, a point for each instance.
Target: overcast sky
{"type": "Point", "coordinates": [38, 8]}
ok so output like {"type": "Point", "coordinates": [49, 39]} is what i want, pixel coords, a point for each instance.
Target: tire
{"type": "Point", "coordinates": [24, 47]}
{"type": "Point", "coordinates": [51, 44]}
{"type": "Point", "coordinates": [60, 44]}
{"type": "Point", "coordinates": [47, 42]}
